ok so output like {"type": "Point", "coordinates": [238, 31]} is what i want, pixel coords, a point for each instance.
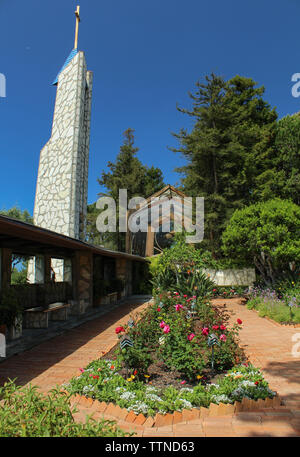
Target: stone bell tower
{"type": "Point", "coordinates": [62, 183]}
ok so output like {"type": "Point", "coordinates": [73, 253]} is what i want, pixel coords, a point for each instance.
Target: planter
{"type": "Point", "coordinates": [15, 331]}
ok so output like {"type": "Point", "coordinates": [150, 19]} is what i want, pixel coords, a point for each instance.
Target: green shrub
{"type": "Point", "coordinates": [25, 412]}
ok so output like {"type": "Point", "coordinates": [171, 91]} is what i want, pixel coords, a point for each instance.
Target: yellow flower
{"type": "Point", "coordinates": [129, 379]}
{"type": "Point", "coordinates": [238, 376]}
{"type": "Point", "coordinates": [132, 376]}
{"type": "Point", "coordinates": [199, 377]}
{"type": "Point", "coordinates": [146, 376]}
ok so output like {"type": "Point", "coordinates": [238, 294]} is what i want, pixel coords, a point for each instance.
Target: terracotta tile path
{"type": "Point", "coordinates": [268, 345]}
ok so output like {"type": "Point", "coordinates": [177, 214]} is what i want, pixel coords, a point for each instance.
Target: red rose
{"type": "Point", "coordinates": [135, 372]}
{"type": "Point", "coordinates": [112, 367]}
{"type": "Point", "coordinates": [222, 327]}
{"type": "Point", "coordinates": [158, 309]}
{"type": "Point", "coordinates": [120, 329]}
{"type": "Point", "coordinates": [215, 327]}
{"type": "Point", "coordinates": [239, 321]}
{"type": "Point", "coordinates": [95, 377]}
{"type": "Point", "coordinates": [256, 383]}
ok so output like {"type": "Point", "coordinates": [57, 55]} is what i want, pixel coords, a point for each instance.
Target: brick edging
{"type": "Point", "coordinates": [113, 411]}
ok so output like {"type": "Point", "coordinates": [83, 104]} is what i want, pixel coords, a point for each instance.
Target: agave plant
{"type": "Point", "coordinates": [194, 283]}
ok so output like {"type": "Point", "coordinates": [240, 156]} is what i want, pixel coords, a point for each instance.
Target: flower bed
{"type": "Point", "coordinates": [282, 307]}
{"type": "Point", "coordinates": [229, 291]}
{"type": "Point", "coordinates": [180, 355]}
{"type": "Point", "coordinates": [101, 381]}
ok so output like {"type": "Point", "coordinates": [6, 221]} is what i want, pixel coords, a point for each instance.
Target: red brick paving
{"type": "Point", "coordinates": [267, 345]}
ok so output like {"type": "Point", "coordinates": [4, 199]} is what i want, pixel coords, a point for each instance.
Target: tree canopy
{"type": "Point", "coordinates": [231, 143]}
{"type": "Point", "coordinates": [127, 172]}
{"type": "Point", "coordinates": [266, 234]}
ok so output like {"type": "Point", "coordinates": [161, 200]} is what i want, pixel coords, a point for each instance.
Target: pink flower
{"type": "Point", "coordinates": [166, 329]}
{"type": "Point", "coordinates": [222, 327]}
{"type": "Point", "coordinates": [194, 296]}
{"type": "Point", "coordinates": [90, 375]}
{"type": "Point", "coordinates": [191, 336]}
{"type": "Point", "coordinates": [176, 293]}
{"type": "Point", "coordinates": [183, 382]}
{"type": "Point", "coordinates": [162, 324]}
{"type": "Point", "coordinates": [178, 307]}
{"type": "Point", "coordinates": [82, 370]}
{"type": "Point", "coordinates": [185, 296]}
{"type": "Point", "coordinates": [215, 327]}
{"type": "Point", "coordinates": [205, 331]}
{"type": "Point", "coordinates": [223, 338]}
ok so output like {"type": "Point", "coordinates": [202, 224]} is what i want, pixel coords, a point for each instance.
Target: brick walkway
{"type": "Point", "coordinates": [268, 345]}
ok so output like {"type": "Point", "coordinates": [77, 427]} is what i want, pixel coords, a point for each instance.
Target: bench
{"type": "Point", "coordinates": [39, 317]}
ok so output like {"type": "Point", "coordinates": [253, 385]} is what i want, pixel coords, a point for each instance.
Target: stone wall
{"type": "Point", "coordinates": [61, 194]}
{"type": "Point", "coordinates": [243, 277]}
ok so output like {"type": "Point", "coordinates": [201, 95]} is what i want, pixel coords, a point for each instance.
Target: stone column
{"type": "Point", "coordinates": [82, 282]}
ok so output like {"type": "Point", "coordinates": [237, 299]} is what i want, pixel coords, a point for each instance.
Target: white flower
{"type": "Point", "coordinates": [248, 383]}
{"type": "Point", "coordinates": [186, 389]}
{"type": "Point", "coordinates": [186, 404]}
{"type": "Point", "coordinates": [139, 408]}
{"type": "Point", "coordinates": [153, 397]}
{"type": "Point", "coordinates": [210, 386]}
{"type": "Point", "coordinates": [128, 396]}
{"type": "Point", "coordinates": [88, 388]}
{"type": "Point", "coordinates": [150, 389]}
{"type": "Point", "coordinates": [220, 399]}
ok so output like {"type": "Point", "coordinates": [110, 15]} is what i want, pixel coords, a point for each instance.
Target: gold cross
{"type": "Point", "coordinates": [77, 14]}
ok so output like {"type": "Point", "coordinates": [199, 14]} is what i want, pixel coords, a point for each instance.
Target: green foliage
{"type": "Point", "coordinates": [281, 305]}
{"type": "Point", "coordinates": [19, 276]}
{"type": "Point", "coordinates": [229, 291]}
{"type": "Point", "coordinates": [25, 412]}
{"type": "Point", "coordinates": [266, 234]}
{"type": "Point", "coordinates": [127, 173]}
{"type": "Point", "coordinates": [230, 145]}
{"type": "Point", "coordinates": [17, 213]}
{"type": "Point", "coordinates": [282, 179]}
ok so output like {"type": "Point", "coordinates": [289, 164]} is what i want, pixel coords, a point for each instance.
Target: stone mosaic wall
{"type": "Point", "coordinates": [61, 194]}
{"type": "Point", "coordinates": [62, 184]}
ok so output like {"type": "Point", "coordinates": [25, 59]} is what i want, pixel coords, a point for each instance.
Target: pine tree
{"type": "Point", "coordinates": [129, 173]}
{"type": "Point", "coordinates": [282, 177]}
{"type": "Point", "coordinates": [229, 145]}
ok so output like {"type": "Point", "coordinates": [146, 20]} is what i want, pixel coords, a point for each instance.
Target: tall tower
{"type": "Point", "coordinates": [62, 183]}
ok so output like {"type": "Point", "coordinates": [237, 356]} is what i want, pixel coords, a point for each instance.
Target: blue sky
{"type": "Point", "coordinates": [145, 56]}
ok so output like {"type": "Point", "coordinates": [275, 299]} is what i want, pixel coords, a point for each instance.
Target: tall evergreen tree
{"type": "Point", "coordinates": [128, 173]}
{"type": "Point", "coordinates": [229, 145]}
{"type": "Point", "coordinates": [282, 178]}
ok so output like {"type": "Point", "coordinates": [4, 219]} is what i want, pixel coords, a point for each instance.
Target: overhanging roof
{"type": "Point", "coordinates": [27, 238]}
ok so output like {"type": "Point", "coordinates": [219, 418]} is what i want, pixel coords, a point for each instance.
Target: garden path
{"type": "Point", "coordinates": [268, 345]}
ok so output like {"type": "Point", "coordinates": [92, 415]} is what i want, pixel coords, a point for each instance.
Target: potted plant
{"type": "Point", "coordinates": [10, 313]}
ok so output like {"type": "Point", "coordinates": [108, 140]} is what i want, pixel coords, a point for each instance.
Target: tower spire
{"type": "Point", "coordinates": [77, 14]}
